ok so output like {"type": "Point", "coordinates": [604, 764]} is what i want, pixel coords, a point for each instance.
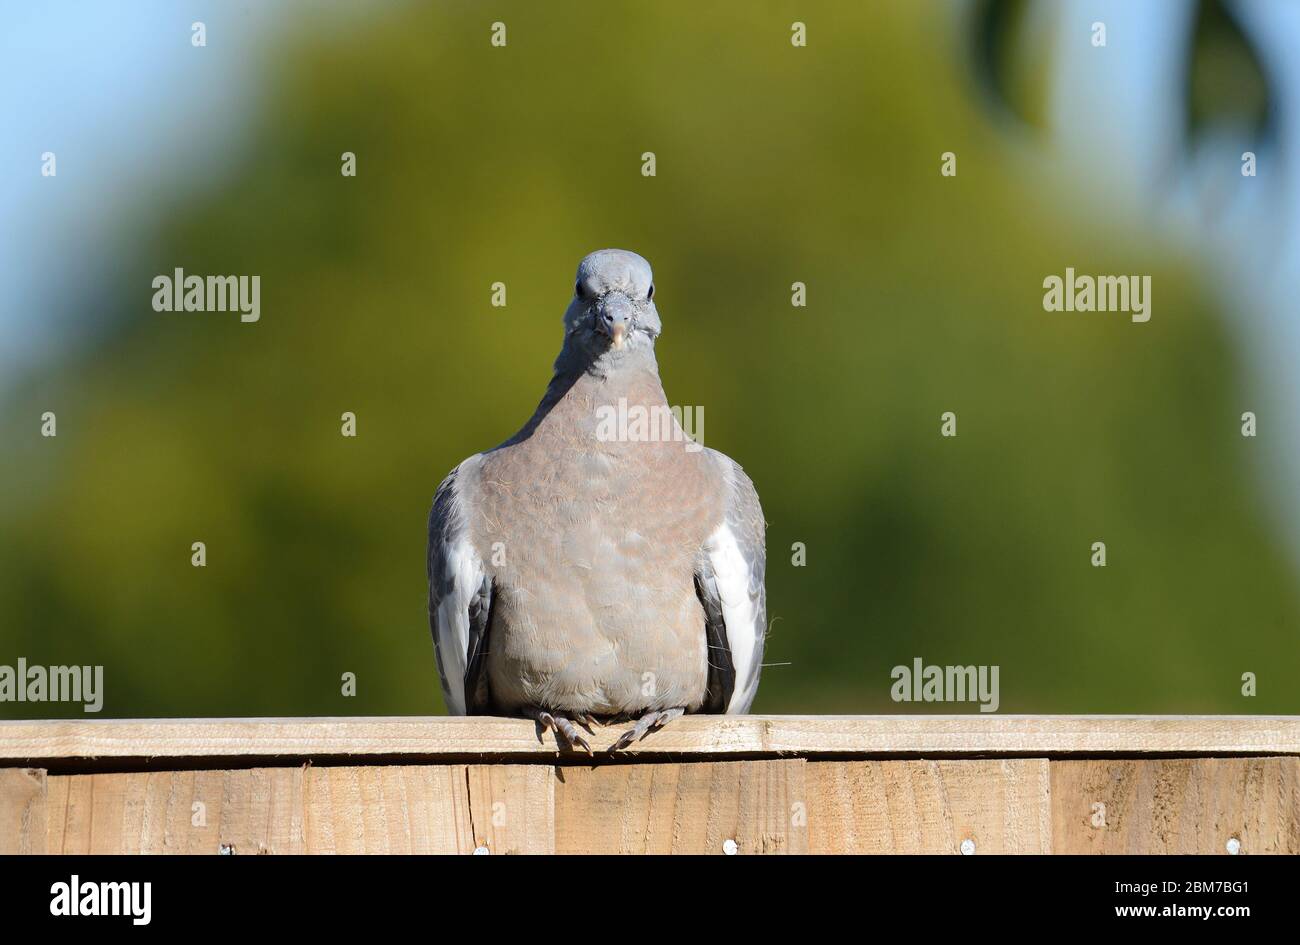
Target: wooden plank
{"type": "Point", "coordinates": [1176, 805]}
{"type": "Point", "coordinates": [1000, 806]}
{"type": "Point", "coordinates": [189, 741]}
{"type": "Point", "coordinates": [682, 808]}
{"type": "Point", "coordinates": [379, 809]}
{"type": "Point", "coordinates": [513, 808]}
{"type": "Point", "coordinates": [430, 809]}
{"type": "Point", "coordinates": [396, 809]}
{"type": "Point", "coordinates": [254, 810]}
{"type": "Point", "coordinates": [23, 810]}
{"type": "Point", "coordinates": [1020, 805]}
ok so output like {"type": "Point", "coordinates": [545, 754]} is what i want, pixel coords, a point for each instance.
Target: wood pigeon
{"type": "Point", "coordinates": [599, 566]}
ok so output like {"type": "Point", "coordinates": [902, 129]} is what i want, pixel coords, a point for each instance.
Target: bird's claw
{"type": "Point", "coordinates": [650, 722]}
{"type": "Point", "coordinates": [565, 730]}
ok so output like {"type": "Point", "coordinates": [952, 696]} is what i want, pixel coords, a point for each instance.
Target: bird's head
{"type": "Point", "coordinates": [613, 310]}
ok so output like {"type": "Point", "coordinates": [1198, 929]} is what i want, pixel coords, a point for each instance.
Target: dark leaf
{"type": "Point", "coordinates": [1009, 56]}
{"type": "Point", "coordinates": [1227, 83]}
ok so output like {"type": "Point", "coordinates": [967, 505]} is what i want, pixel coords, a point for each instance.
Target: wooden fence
{"type": "Point", "coordinates": [705, 784]}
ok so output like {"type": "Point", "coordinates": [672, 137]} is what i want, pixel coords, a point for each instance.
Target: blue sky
{"type": "Point", "coordinates": [1117, 112]}
{"type": "Point", "coordinates": [129, 107]}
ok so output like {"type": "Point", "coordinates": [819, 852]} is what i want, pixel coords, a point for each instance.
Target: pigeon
{"type": "Point", "coordinates": [588, 571]}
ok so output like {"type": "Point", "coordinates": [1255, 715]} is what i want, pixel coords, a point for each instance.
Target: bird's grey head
{"type": "Point", "coordinates": [612, 315]}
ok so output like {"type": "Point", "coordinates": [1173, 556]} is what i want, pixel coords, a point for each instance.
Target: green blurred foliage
{"type": "Point", "coordinates": [1226, 80]}
{"type": "Point", "coordinates": [775, 164]}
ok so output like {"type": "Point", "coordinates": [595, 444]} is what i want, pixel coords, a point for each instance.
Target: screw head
{"type": "Point", "coordinates": [968, 847]}
{"type": "Point", "coordinates": [730, 847]}
{"type": "Point", "coordinates": [482, 851]}
{"type": "Point", "coordinates": [1233, 845]}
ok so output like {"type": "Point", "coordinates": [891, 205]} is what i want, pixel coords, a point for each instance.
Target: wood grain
{"type": "Point", "coordinates": [1176, 805]}
{"type": "Point", "coordinates": [23, 810]}
{"type": "Point", "coordinates": [754, 784]}
{"type": "Point", "coordinates": [1010, 805]}
{"type": "Point", "coordinates": [1001, 806]}
{"type": "Point", "coordinates": [459, 739]}
{"type": "Point", "coordinates": [380, 809]}
{"type": "Point", "coordinates": [251, 811]}
{"type": "Point", "coordinates": [513, 807]}
{"type": "Point", "coordinates": [682, 808]}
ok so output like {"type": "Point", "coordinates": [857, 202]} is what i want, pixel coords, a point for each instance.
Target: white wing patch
{"type": "Point", "coordinates": [731, 572]}
{"type": "Point", "coordinates": [455, 579]}
{"type": "Point", "coordinates": [466, 571]}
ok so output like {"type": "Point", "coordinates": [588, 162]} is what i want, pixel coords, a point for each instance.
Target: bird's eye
{"type": "Point", "coordinates": [651, 294]}
{"type": "Point", "coordinates": [577, 289]}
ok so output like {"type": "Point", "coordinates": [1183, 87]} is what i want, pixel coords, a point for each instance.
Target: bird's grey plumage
{"type": "Point", "coordinates": [576, 574]}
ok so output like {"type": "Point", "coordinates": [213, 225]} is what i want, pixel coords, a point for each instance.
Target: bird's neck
{"type": "Point", "coordinates": [580, 389]}
{"type": "Point", "coordinates": [631, 374]}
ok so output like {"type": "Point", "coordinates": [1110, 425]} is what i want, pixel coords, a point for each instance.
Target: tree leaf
{"type": "Point", "coordinates": [1010, 57]}
{"type": "Point", "coordinates": [1227, 83]}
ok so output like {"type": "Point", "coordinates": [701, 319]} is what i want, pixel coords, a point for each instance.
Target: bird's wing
{"type": "Point", "coordinates": [460, 602]}
{"type": "Point", "coordinates": [729, 581]}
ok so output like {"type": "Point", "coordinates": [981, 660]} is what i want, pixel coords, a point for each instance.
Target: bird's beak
{"type": "Point", "coordinates": [614, 318]}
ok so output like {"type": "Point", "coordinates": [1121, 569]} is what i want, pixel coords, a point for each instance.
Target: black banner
{"type": "Point", "coordinates": [332, 893]}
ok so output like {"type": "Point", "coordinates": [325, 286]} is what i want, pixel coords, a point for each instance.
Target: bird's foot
{"type": "Point", "coordinates": [650, 722]}
{"type": "Point", "coordinates": [567, 735]}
